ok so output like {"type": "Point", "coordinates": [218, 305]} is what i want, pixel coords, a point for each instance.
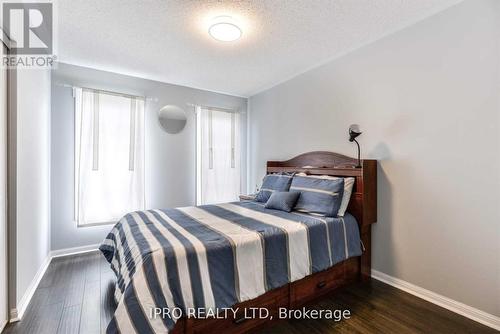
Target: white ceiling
{"type": "Point", "coordinates": [167, 40]}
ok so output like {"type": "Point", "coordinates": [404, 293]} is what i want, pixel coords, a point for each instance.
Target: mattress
{"type": "Point", "coordinates": [212, 257]}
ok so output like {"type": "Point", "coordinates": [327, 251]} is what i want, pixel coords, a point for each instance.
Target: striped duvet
{"type": "Point", "coordinates": [215, 256]}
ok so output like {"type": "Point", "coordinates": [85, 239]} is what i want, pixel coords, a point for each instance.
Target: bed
{"type": "Point", "coordinates": [178, 269]}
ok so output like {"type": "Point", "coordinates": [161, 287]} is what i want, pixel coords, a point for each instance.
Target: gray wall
{"type": "Point", "coordinates": [428, 98]}
{"type": "Point", "coordinates": [33, 176]}
{"type": "Point", "coordinates": [170, 159]}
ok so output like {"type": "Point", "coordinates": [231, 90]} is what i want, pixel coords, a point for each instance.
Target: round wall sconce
{"type": "Point", "coordinates": [172, 119]}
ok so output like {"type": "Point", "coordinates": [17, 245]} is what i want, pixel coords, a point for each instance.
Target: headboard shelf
{"type": "Point", "coordinates": [318, 170]}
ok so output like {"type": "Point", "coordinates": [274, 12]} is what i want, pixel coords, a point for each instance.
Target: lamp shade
{"type": "Point", "coordinates": [354, 131]}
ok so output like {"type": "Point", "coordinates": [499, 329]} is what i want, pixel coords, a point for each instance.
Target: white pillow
{"type": "Point", "coordinates": [348, 185]}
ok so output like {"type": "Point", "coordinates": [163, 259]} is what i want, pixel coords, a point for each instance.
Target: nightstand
{"type": "Point", "coordinates": [250, 197]}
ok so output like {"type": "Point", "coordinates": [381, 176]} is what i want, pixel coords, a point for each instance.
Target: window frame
{"type": "Point", "coordinates": [198, 159]}
{"type": "Point", "coordinates": [76, 220]}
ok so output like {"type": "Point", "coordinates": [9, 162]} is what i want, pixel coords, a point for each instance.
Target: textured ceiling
{"type": "Point", "coordinates": [167, 40]}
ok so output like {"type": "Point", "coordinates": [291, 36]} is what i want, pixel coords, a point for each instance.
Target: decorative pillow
{"type": "Point", "coordinates": [272, 183]}
{"type": "Point", "coordinates": [282, 200]}
{"type": "Point", "coordinates": [346, 197]}
{"type": "Point", "coordinates": [321, 196]}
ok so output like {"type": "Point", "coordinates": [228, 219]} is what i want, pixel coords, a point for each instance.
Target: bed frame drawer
{"type": "Point", "coordinates": [314, 286]}
{"type": "Point", "coordinates": [289, 296]}
{"type": "Point", "coordinates": [271, 301]}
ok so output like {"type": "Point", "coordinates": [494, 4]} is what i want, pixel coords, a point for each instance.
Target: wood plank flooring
{"type": "Point", "coordinates": [76, 296]}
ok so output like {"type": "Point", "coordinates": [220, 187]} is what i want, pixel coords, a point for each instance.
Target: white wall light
{"type": "Point", "coordinates": [224, 29]}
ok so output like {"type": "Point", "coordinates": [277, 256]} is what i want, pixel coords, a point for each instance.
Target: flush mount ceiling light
{"type": "Point", "coordinates": [224, 29]}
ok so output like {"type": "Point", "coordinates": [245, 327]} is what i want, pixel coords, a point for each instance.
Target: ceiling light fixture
{"type": "Point", "coordinates": [224, 30]}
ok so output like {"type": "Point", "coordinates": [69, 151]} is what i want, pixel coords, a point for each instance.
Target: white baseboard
{"type": "Point", "coordinates": [17, 313]}
{"type": "Point", "coordinates": [467, 311]}
{"type": "Point", "coordinates": [74, 250]}
{"type": "Point", "coordinates": [2, 325]}
{"type": "Point", "coordinates": [13, 315]}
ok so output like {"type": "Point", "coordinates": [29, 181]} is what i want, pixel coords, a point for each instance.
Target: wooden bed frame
{"type": "Point", "coordinates": [363, 206]}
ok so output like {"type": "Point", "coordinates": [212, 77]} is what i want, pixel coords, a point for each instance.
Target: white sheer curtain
{"type": "Point", "coordinates": [109, 156]}
{"type": "Point", "coordinates": [218, 156]}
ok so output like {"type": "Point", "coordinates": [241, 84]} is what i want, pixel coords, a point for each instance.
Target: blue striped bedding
{"type": "Point", "coordinates": [215, 256]}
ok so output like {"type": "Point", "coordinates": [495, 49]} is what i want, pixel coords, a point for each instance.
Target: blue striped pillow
{"type": "Point", "coordinates": [318, 196]}
{"type": "Point", "coordinates": [272, 183]}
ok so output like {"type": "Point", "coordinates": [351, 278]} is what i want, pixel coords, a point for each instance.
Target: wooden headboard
{"type": "Point", "coordinates": [363, 203]}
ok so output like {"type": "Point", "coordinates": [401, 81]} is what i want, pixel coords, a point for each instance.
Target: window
{"type": "Point", "coordinates": [109, 156]}
{"type": "Point", "coordinates": [218, 156]}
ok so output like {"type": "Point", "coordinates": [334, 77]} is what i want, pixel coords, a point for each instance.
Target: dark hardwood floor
{"type": "Point", "coordinates": [76, 296]}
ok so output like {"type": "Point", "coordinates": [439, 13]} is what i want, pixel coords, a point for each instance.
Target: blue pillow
{"type": "Point", "coordinates": [272, 183]}
{"type": "Point", "coordinates": [318, 196]}
{"type": "Point", "coordinates": [282, 200]}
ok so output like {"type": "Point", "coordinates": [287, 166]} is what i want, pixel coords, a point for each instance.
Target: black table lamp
{"type": "Point", "coordinates": [353, 133]}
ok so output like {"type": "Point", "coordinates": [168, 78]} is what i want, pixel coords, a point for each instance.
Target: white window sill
{"type": "Point", "coordinates": [94, 224]}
